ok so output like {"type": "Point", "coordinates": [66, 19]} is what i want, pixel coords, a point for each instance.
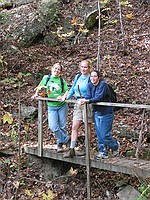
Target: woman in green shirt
{"type": "Point", "coordinates": [56, 87]}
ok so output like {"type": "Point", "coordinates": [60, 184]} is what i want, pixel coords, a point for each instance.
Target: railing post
{"type": "Point", "coordinates": [87, 152]}
{"type": "Point", "coordinates": [40, 128]}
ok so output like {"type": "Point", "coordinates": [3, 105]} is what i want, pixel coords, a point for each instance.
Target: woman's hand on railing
{"type": "Point", "coordinates": [63, 98]}
{"type": "Point", "coordinates": [34, 96]}
{"type": "Point", "coordinates": [82, 101]}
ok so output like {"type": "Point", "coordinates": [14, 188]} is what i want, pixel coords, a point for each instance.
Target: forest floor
{"type": "Point", "coordinates": [124, 65]}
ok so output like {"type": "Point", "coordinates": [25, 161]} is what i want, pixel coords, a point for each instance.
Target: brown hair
{"type": "Point", "coordinates": [57, 64]}
{"type": "Point", "coordinates": [97, 72]}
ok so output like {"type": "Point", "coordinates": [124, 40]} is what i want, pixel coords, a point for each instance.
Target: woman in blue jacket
{"type": "Point", "coordinates": [78, 89]}
{"type": "Point", "coordinates": [98, 91]}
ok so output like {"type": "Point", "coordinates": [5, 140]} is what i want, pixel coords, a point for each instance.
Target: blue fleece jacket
{"type": "Point", "coordinates": [99, 93]}
{"type": "Point", "coordinates": [79, 83]}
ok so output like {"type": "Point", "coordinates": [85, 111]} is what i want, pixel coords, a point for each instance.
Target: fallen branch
{"type": "Point", "coordinates": [140, 136]}
{"type": "Point", "coordinates": [99, 27]}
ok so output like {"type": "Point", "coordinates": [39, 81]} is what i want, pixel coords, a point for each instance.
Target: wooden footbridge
{"type": "Point", "coordinates": [116, 164]}
{"type": "Point", "coordinates": [136, 167]}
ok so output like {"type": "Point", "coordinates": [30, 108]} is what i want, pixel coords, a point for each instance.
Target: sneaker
{"type": "Point", "coordinates": [80, 152]}
{"type": "Point", "coordinates": [60, 148]}
{"type": "Point", "coordinates": [101, 155]}
{"type": "Point", "coordinates": [69, 154]}
{"type": "Point", "coordinates": [116, 152]}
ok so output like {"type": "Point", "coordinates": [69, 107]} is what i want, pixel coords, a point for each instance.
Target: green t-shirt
{"type": "Point", "coordinates": [54, 89]}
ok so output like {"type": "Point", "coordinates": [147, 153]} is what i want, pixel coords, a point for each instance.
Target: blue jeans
{"type": "Point", "coordinates": [103, 127]}
{"type": "Point", "coordinates": [57, 118]}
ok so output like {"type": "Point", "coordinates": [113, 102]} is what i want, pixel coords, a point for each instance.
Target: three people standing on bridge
{"type": "Point", "coordinates": [57, 88]}
{"type": "Point", "coordinates": [87, 88]}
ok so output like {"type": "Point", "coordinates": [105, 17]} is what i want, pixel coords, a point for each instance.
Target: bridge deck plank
{"type": "Point", "coordinates": [117, 164]}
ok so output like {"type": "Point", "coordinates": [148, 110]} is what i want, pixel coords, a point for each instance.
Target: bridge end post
{"type": "Point", "coordinates": [87, 151]}
{"type": "Point", "coordinates": [40, 128]}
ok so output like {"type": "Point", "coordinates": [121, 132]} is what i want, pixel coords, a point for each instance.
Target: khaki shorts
{"type": "Point", "coordinates": [78, 113]}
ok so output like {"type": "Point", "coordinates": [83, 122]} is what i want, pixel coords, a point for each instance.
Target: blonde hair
{"type": "Point", "coordinates": [86, 62]}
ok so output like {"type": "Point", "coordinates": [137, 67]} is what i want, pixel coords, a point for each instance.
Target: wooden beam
{"type": "Point", "coordinates": [40, 128]}
{"type": "Point", "coordinates": [87, 152]}
{"type": "Point", "coordinates": [122, 105]}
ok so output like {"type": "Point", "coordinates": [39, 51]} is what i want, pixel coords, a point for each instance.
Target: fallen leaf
{"type": "Point", "coordinates": [7, 118]}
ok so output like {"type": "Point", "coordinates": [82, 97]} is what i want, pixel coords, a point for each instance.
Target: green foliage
{"type": "Point", "coordinates": [18, 81]}
{"type": "Point", "coordinates": [6, 161]}
{"type": "Point", "coordinates": [126, 3]}
{"type": "Point", "coordinates": [112, 22]}
{"type": "Point", "coordinates": [2, 61]}
{"type": "Point", "coordinates": [104, 2]}
{"type": "Point", "coordinates": [22, 182]}
{"type": "Point", "coordinates": [9, 80]}
{"type": "Point", "coordinates": [28, 193]}
{"type": "Point", "coordinates": [107, 57]}
{"type": "Point", "coordinates": [3, 1]}
{"type": "Point", "coordinates": [20, 75]}
{"type": "Point", "coordinates": [14, 132]}
{"type": "Point", "coordinates": [49, 196]}
{"type": "Point", "coordinates": [145, 192]}
{"type": "Point", "coordinates": [51, 14]}
{"type": "Point", "coordinates": [3, 18]}
{"type": "Point", "coordinates": [13, 166]}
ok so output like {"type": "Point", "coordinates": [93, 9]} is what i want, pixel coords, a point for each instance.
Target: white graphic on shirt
{"type": "Point", "coordinates": [53, 87]}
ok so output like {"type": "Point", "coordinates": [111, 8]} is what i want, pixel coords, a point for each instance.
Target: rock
{"type": "Point", "coordinates": [128, 193]}
{"type": "Point", "coordinates": [121, 184]}
{"type": "Point", "coordinates": [91, 19]}
{"type": "Point", "coordinates": [50, 2]}
{"type": "Point", "coordinates": [51, 40]}
{"type": "Point", "coordinates": [48, 168]}
{"type": "Point", "coordinates": [32, 25]}
{"type": "Point", "coordinates": [28, 111]}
